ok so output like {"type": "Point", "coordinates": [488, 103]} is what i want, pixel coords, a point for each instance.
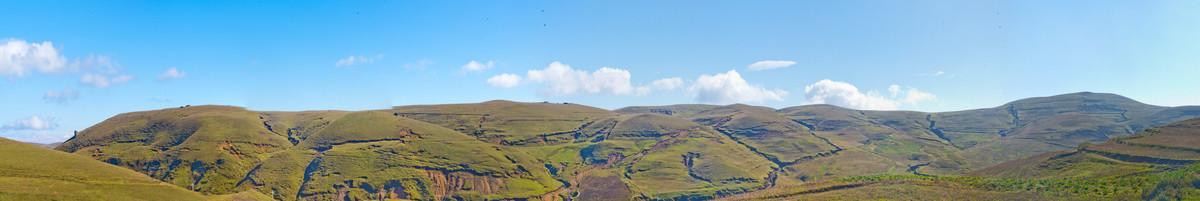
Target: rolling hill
{"type": "Point", "coordinates": [29, 172]}
{"type": "Point", "coordinates": [552, 151]}
{"type": "Point", "coordinates": [1153, 150]}
{"type": "Point", "coordinates": [1159, 163]}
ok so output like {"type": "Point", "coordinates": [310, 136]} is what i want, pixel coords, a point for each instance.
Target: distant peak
{"type": "Point", "coordinates": [499, 101]}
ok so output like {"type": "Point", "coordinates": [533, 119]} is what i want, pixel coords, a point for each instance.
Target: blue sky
{"type": "Point", "coordinates": [69, 65]}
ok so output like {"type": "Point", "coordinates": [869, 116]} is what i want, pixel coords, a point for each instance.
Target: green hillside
{"type": "Point", "coordinates": [1168, 153]}
{"type": "Point", "coordinates": [29, 172]}
{"type": "Point", "coordinates": [1160, 163]}
{"type": "Point", "coordinates": [558, 151]}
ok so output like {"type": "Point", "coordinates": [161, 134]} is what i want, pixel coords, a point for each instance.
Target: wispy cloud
{"type": "Point", "coordinates": [419, 64]}
{"type": "Point", "coordinates": [475, 66]}
{"type": "Point", "coordinates": [770, 64]}
{"type": "Point", "coordinates": [31, 123]}
{"type": "Point", "coordinates": [66, 95]}
{"type": "Point", "coordinates": [935, 74]}
{"type": "Point", "coordinates": [356, 59]}
{"type": "Point", "coordinates": [667, 83]}
{"type": "Point", "coordinates": [104, 81]}
{"type": "Point", "coordinates": [171, 74]}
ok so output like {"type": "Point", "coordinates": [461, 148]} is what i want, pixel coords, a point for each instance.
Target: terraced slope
{"type": "Point", "coordinates": [1153, 150]}
{"type": "Point", "coordinates": [956, 142]}
{"type": "Point", "coordinates": [1167, 152]}
{"type": "Point", "coordinates": [507, 122]}
{"type": "Point", "coordinates": [1159, 163]}
{"type": "Point", "coordinates": [28, 172]}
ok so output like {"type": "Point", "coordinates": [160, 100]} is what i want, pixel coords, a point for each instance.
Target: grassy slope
{"type": "Point", "coordinates": [368, 150]}
{"type": "Point", "coordinates": [28, 172]}
{"type": "Point", "coordinates": [1151, 150]}
{"type": "Point", "coordinates": [1159, 151]}
{"type": "Point", "coordinates": [506, 122]}
{"type": "Point", "coordinates": [204, 148]}
{"type": "Point", "coordinates": [952, 143]}
{"type": "Point", "coordinates": [890, 141]}
{"type": "Point", "coordinates": [662, 152]}
{"type": "Point", "coordinates": [654, 156]}
{"type": "Point", "coordinates": [777, 138]}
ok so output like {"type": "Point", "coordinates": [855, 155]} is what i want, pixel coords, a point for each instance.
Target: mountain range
{"type": "Point", "coordinates": [496, 150]}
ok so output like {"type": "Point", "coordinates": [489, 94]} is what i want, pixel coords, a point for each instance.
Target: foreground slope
{"type": "Point", "coordinates": [1170, 152]}
{"type": "Point", "coordinates": [29, 172]}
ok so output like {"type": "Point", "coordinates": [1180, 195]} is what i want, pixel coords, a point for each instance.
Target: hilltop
{"type": "Point", "coordinates": [552, 151]}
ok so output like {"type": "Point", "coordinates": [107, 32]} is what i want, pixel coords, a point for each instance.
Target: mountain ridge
{"type": "Point", "coordinates": [549, 150]}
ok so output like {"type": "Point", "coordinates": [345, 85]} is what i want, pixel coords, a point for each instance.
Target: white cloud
{"type": "Point", "coordinates": [18, 58]}
{"type": "Point", "coordinates": [846, 95]}
{"type": "Point", "coordinates": [912, 96]}
{"type": "Point", "coordinates": [642, 90]}
{"type": "Point", "coordinates": [504, 80]}
{"type": "Point", "coordinates": [103, 81]}
{"type": "Point", "coordinates": [31, 123]}
{"type": "Point", "coordinates": [63, 97]}
{"type": "Point", "coordinates": [729, 87]}
{"type": "Point", "coordinates": [770, 64]}
{"type": "Point", "coordinates": [667, 83]}
{"type": "Point", "coordinates": [96, 64]}
{"type": "Point", "coordinates": [475, 66]}
{"type": "Point", "coordinates": [560, 79]}
{"type": "Point", "coordinates": [171, 74]}
{"type": "Point", "coordinates": [353, 60]}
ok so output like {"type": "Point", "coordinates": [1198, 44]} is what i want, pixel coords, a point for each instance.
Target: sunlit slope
{"type": "Point", "coordinates": [203, 148]}
{"type": "Point", "coordinates": [1168, 154]}
{"type": "Point", "coordinates": [373, 154]}
{"type": "Point", "coordinates": [950, 143]}
{"type": "Point", "coordinates": [506, 122]}
{"type": "Point", "coordinates": [312, 154]}
{"type": "Point", "coordinates": [874, 142]}
{"type": "Point", "coordinates": [663, 157]}
{"type": "Point", "coordinates": [511, 150]}
{"type": "Point", "coordinates": [28, 172]}
{"type": "Point", "coordinates": [1152, 150]}
{"type": "Point", "coordinates": [681, 110]}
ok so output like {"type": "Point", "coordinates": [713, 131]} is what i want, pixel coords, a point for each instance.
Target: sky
{"type": "Point", "coordinates": [68, 65]}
